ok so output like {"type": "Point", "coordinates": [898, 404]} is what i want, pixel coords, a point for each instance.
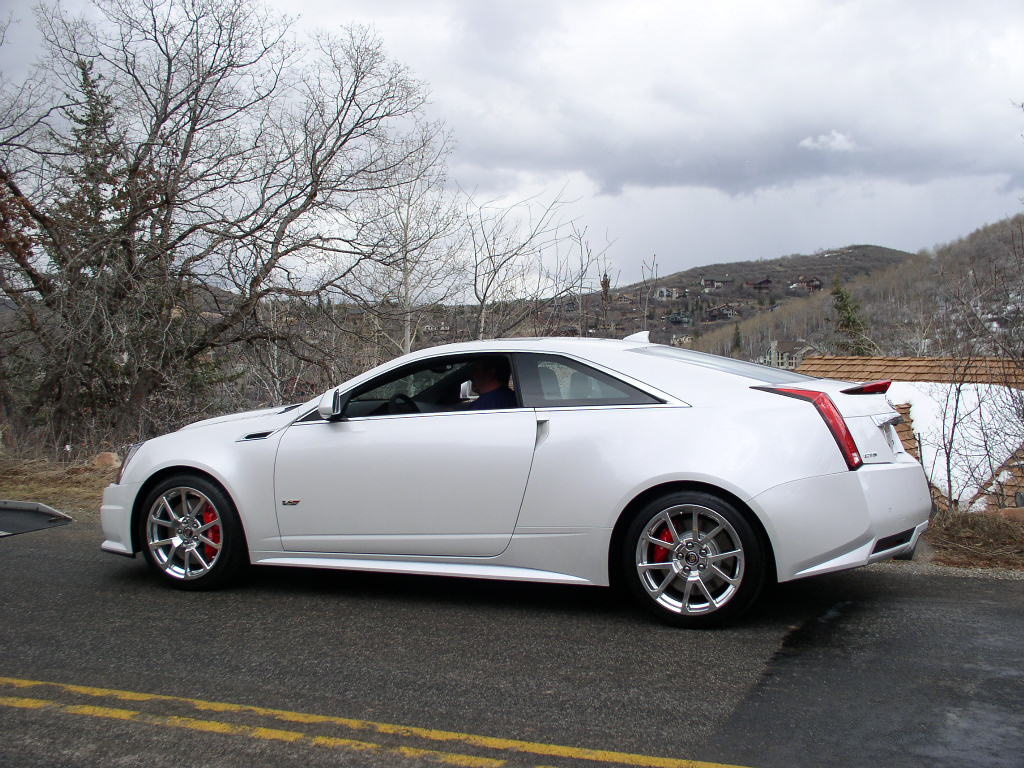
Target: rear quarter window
{"type": "Point", "coordinates": [551, 381]}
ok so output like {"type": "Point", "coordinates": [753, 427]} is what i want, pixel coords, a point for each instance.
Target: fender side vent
{"type": "Point", "coordinates": [258, 435]}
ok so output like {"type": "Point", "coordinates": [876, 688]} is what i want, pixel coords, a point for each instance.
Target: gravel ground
{"type": "Point", "coordinates": [924, 564]}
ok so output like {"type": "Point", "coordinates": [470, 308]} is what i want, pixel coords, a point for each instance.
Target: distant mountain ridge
{"type": "Point", "coordinates": [682, 307]}
{"type": "Point", "coordinates": [921, 304]}
{"type": "Point", "coordinates": [848, 262]}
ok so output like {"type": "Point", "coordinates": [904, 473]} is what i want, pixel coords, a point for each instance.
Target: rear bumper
{"type": "Point", "coordinates": [116, 518]}
{"type": "Point", "coordinates": [834, 522]}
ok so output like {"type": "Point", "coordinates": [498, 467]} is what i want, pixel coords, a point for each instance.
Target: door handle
{"type": "Point", "coordinates": [543, 428]}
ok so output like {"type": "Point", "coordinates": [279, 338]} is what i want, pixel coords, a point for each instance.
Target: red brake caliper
{"type": "Point", "coordinates": [213, 534]}
{"type": "Point", "coordinates": [661, 553]}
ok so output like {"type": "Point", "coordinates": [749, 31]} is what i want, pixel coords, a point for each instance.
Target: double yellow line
{"type": "Point", "coordinates": [503, 749]}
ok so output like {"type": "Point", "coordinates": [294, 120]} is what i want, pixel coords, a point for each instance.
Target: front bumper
{"type": "Point", "coordinates": [834, 522]}
{"type": "Point", "coordinates": [116, 518]}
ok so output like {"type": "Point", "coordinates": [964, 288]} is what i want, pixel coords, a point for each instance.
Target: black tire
{"type": "Point", "coordinates": [190, 533]}
{"type": "Point", "coordinates": [692, 581]}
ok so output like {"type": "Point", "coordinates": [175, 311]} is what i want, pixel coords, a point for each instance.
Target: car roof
{"type": "Point", "coordinates": [568, 344]}
{"type": "Point", "coordinates": [687, 375]}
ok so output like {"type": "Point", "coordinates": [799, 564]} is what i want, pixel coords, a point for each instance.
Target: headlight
{"type": "Point", "coordinates": [128, 457]}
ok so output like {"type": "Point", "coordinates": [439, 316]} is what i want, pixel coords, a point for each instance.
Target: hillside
{"type": "Point", "coordinates": [684, 306]}
{"type": "Point", "coordinates": [935, 302]}
{"type": "Point", "coordinates": [783, 271]}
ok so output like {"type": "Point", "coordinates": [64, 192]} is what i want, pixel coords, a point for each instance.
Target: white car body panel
{"type": "Point", "coordinates": [624, 451]}
{"type": "Point", "coordinates": [384, 493]}
{"type": "Point", "coordinates": [383, 485]}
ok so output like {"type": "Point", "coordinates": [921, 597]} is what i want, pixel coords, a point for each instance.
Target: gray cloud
{"type": "Point", "coordinates": [814, 123]}
{"type": "Point", "coordinates": [741, 163]}
{"type": "Point", "coordinates": [726, 95]}
{"type": "Point", "coordinates": [919, 94]}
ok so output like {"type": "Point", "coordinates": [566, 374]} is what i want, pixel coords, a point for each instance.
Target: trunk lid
{"type": "Point", "coordinates": [869, 417]}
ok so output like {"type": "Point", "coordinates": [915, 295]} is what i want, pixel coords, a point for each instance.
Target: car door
{"type": "Point", "coordinates": [592, 427]}
{"type": "Point", "coordinates": [444, 483]}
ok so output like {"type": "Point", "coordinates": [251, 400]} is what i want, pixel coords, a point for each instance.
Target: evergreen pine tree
{"type": "Point", "coordinates": [850, 328]}
{"type": "Point", "coordinates": [88, 208]}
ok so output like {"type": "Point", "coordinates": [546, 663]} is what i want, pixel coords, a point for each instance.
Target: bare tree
{"type": "Point", "coordinates": [518, 262]}
{"type": "Point", "coordinates": [417, 266]}
{"type": "Point", "coordinates": [648, 285]}
{"type": "Point", "coordinates": [988, 302]}
{"type": "Point", "coordinates": [203, 164]}
{"type": "Point", "coordinates": [583, 261]}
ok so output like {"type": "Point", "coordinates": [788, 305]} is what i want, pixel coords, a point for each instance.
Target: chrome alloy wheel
{"type": "Point", "coordinates": [690, 559]}
{"type": "Point", "coordinates": [184, 533]}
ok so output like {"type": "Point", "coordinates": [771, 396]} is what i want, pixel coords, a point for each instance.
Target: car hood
{"type": "Point", "coordinates": [264, 418]}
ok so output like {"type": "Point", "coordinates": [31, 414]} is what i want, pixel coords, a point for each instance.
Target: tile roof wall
{"type": "Point", "coordinates": [1001, 490]}
{"type": "Point", "coordinates": [985, 370]}
{"type": "Point", "coordinates": [905, 430]}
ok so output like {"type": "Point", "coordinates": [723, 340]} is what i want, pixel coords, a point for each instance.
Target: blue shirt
{"type": "Point", "coordinates": [502, 397]}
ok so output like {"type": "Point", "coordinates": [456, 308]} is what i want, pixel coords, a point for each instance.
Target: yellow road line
{"type": "Point", "coordinates": [266, 734]}
{"type": "Point", "coordinates": [16, 701]}
{"type": "Point", "coordinates": [429, 734]}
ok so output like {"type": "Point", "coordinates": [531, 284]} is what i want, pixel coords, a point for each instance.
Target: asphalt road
{"type": "Point", "coordinates": [891, 665]}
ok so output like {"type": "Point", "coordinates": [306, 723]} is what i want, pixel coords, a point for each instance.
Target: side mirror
{"type": "Point", "coordinates": [332, 405]}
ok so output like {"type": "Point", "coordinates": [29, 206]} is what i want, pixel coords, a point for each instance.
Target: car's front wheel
{"type": "Point", "coordinates": [692, 559]}
{"type": "Point", "coordinates": [190, 533]}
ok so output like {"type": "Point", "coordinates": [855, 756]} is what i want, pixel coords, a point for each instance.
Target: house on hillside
{"type": "Point", "coordinates": [667, 294]}
{"type": "Point", "coordinates": [721, 312]}
{"type": "Point", "coordinates": [712, 284]}
{"type": "Point", "coordinates": [761, 286]}
{"type": "Point", "coordinates": [785, 354]}
{"type": "Point", "coordinates": [808, 283]}
{"type": "Point", "coordinates": [960, 421]}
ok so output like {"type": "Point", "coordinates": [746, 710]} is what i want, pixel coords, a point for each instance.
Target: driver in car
{"type": "Point", "coordinates": [490, 377]}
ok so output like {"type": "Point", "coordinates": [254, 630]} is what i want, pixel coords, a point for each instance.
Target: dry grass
{"type": "Point", "coordinates": [977, 541]}
{"type": "Point", "coordinates": [73, 488]}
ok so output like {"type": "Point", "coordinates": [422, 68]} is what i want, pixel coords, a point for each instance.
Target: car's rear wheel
{"type": "Point", "coordinates": [190, 533]}
{"type": "Point", "coordinates": [692, 559]}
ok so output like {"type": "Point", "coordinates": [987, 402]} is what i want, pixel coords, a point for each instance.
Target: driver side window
{"type": "Point", "coordinates": [406, 385]}
{"type": "Point", "coordinates": [436, 385]}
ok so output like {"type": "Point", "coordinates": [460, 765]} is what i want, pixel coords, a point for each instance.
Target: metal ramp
{"type": "Point", "coordinates": [25, 516]}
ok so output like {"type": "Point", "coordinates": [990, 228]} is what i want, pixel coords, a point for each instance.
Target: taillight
{"type": "Point", "coordinates": [871, 388]}
{"type": "Point", "coordinates": [834, 420]}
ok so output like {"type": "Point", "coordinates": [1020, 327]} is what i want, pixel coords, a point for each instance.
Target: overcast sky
{"type": "Point", "coordinates": [715, 131]}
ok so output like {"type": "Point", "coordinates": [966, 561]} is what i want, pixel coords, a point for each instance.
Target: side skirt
{"type": "Point", "coordinates": [464, 570]}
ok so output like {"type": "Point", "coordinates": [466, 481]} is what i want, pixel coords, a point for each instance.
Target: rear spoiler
{"type": "Point", "coordinates": [871, 388]}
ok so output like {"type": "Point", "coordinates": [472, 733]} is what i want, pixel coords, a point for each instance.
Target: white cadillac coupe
{"type": "Point", "coordinates": [689, 479]}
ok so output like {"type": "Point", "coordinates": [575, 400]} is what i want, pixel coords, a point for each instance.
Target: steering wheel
{"type": "Point", "coordinates": [402, 403]}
